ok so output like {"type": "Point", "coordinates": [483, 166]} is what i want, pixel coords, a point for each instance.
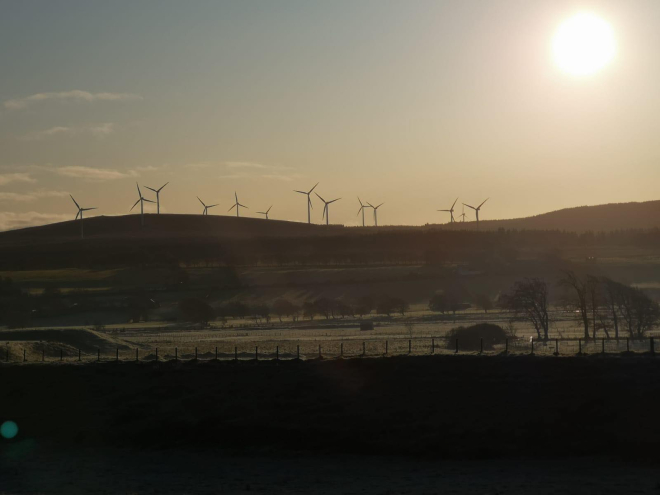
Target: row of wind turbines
{"type": "Point", "coordinates": [238, 205]}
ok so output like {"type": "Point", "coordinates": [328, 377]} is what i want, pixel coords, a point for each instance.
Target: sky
{"type": "Point", "coordinates": [409, 103]}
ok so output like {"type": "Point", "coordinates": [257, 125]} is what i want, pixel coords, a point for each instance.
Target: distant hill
{"type": "Point", "coordinates": [600, 218]}
{"type": "Point", "coordinates": [165, 226]}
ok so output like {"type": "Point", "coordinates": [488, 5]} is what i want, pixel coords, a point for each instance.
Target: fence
{"type": "Point", "coordinates": [340, 349]}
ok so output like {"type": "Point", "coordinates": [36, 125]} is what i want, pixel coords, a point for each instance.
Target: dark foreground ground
{"type": "Point", "coordinates": [450, 424]}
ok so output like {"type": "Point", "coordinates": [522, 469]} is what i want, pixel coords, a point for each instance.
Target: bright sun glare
{"type": "Point", "coordinates": [583, 44]}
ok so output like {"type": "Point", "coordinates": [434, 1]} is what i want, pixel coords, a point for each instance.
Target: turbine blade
{"type": "Point", "coordinates": [87, 209]}
{"type": "Point", "coordinates": [151, 189]}
{"type": "Point", "coordinates": [147, 200]}
{"type": "Point", "coordinates": [361, 208]}
{"type": "Point", "coordinates": [301, 192]}
{"type": "Point", "coordinates": [360, 201]}
{"type": "Point", "coordinates": [201, 202]}
{"type": "Point", "coordinates": [74, 201]}
{"type": "Point", "coordinates": [309, 202]}
{"type": "Point", "coordinates": [484, 202]}
{"type": "Point", "coordinates": [77, 215]}
{"type": "Point", "coordinates": [370, 204]}
{"type": "Point", "coordinates": [452, 206]}
{"type": "Point", "coordinates": [243, 206]}
{"type": "Point", "coordinates": [162, 187]}
{"type": "Point", "coordinates": [134, 205]}
{"type": "Point", "coordinates": [376, 207]}
{"type": "Point", "coordinates": [320, 197]}
{"type": "Point", "coordinates": [334, 200]}
{"type": "Point", "coordinates": [234, 206]}
{"type": "Point", "coordinates": [444, 210]}
{"type": "Point", "coordinates": [469, 206]}
{"type": "Point", "coordinates": [138, 188]}
{"type": "Point", "coordinates": [269, 208]}
{"type": "Point", "coordinates": [211, 206]}
{"type": "Point", "coordinates": [310, 191]}
{"type": "Point", "coordinates": [236, 197]}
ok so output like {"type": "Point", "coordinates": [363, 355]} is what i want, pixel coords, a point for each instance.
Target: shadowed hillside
{"type": "Point", "coordinates": [600, 218]}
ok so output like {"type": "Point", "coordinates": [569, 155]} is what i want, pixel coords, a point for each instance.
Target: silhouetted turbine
{"type": "Point", "coordinates": [375, 212]}
{"type": "Point", "coordinates": [451, 211]}
{"type": "Point", "coordinates": [206, 208]}
{"type": "Point", "coordinates": [309, 202]}
{"type": "Point", "coordinates": [362, 207]}
{"type": "Point", "coordinates": [476, 210]}
{"type": "Point", "coordinates": [326, 211]}
{"type": "Point", "coordinates": [141, 200]}
{"type": "Point", "coordinates": [237, 205]}
{"type": "Point", "coordinates": [80, 213]}
{"type": "Point", "coordinates": [157, 191]}
{"type": "Point", "coordinates": [265, 212]}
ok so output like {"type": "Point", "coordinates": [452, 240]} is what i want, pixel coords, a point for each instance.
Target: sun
{"type": "Point", "coordinates": [583, 44]}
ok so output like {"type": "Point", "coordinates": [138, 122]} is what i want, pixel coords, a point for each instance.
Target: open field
{"type": "Point", "coordinates": [419, 425]}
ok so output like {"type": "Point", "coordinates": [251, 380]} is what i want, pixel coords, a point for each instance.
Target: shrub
{"type": "Point", "coordinates": [469, 338]}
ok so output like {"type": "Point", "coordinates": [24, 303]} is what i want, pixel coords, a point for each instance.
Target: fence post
{"type": "Point", "coordinates": [156, 353]}
{"type": "Point", "coordinates": [195, 353]}
{"type": "Point", "coordinates": [432, 345]}
{"type": "Point", "coordinates": [43, 355]}
{"type": "Point", "coordinates": [481, 346]}
{"type": "Point", "coordinates": [61, 355]}
{"type": "Point", "coordinates": [410, 346]}
{"type": "Point", "coordinates": [98, 355]}
{"type": "Point", "coordinates": [176, 354]}
{"type": "Point", "coordinates": [298, 351]}
{"type": "Point", "coordinates": [532, 346]}
{"type": "Point", "coordinates": [627, 344]}
{"type": "Point", "coordinates": [216, 353]}
{"type": "Point", "coordinates": [556, 347]}
{"type": "Point", "coordinates": [236, 353]}
{"type": "Point", "coordinates": [7, 356]}
{"type": "Point", "coordinates": [579, 346]}
{"type": "Point", "coordinates": [256, 353]}
{"type": "Point", "coordinates": [341, 349]}
{"type": "Point", "coordinates": [652, 346]}
{"type": "Point", "coordinates": [24, 358]}
{"type": "Point", "coordinates": [277, 353]}
{"type": "Point", "coordinates": [364, 348]}
{"type": "Point", "coordinates": [320, 351]}
{"type": "Point", "coordinates": [506, 346]}
{"type": "Point", "coordinates": [386, 347]}
{"type": "Point", "coordinates": [456, 346]}
{"type": "Point", "coordinates": [117, 354]}
{"type": "Point", "coordinates": [603, 347]}
{"type": "Point", "coordinates": [137, 355]}
{"type": "Point", "coordinates": [78, 354]}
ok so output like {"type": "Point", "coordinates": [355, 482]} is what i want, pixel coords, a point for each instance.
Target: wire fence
{"type": "Point", "coordinates": [332, 349]}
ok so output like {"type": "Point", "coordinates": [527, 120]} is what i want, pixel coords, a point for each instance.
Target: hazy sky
{"type": "Point", "coordinates": [411, 103]}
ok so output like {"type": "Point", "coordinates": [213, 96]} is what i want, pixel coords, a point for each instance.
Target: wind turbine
{"type": "Point", "coordinates": [476, 210]}
{"type": "Point", "coordinates": [326, 210]}
{"type": "Point", "coordinates": [265, 212]}
{"type": "Point", "coordinates": [206, 208]}
{"type": "Point", "coordinates": [309, 202]}
{"type": "Point", "coordinates": [237, 205]}
{"type": "Point", "coordinates": [157, 191]}
{"type": "Point", "coordinates": [362, 207]}
{"type": "Point", "coordinates": [80, 213]}
{"type": "Point", "coordinates": [375, 212]}
{"type": "Point", "coordinates": [462, 215]}
{"type": "Point", "coordinates": [141, 200]}
{"type": "Point", "coordinates": [451, 211]}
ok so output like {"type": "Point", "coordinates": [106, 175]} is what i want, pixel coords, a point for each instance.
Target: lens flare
{"type": "Point", "coordinates": [8, 430]}
{"type": "Point", "coordinates": [583, 44]}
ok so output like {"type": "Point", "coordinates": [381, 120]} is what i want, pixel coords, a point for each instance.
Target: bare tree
{"type": "Point", "coordinates": [612, 299]}
{"type": "Point", "coordinates": [484, 302]}
{"type": "Point", "coordinates": [528, 299]}
{"type": "Point", "coordinates": [580, 299]}
{"type": "Point", "coordinates": [638, 311]}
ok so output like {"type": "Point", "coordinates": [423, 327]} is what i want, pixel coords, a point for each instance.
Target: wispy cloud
{"type": "Point", "coordinates": [253, 170]}
{"type": "Point", "coordinates": [15, 177]}
{"type": "Point", "coordinates": [68, 96]}
{"type": "Point", "coordinates": [32, 196]}
{"type": "Point", "coordinates": [94, 174]}
{"type": "Point", "coordinates": [96, 130]}
{"type": "Point", "coordinates": [11, 220]}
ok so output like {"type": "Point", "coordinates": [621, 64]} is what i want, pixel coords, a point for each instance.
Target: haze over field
{"type": "Point", "coordinates": [410, 103]}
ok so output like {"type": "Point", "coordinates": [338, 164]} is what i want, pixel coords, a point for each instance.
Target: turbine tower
{"type": "Point", "coordinates": [375, 212]}
{"type": "Point", "coordinates": [206, 208]}
{"type": "Point", "coordinates": [80, 213]}
{"type": "Point", "coordinates": [157, 191]}
{"type": "Point", "coordinates": [309, 202]}
{"type": "Point", "coordinates": [265, 212]}
{"type": "Point", "coordinates": [462, 215]}
{"type": "Point", "coordinates": [237, 205]}
{"type": "Point", "coordinates": [362, 207]}
{"type": "Point", "coordinates": [141, 200]}
{"type": "Point", "coordinates": [326, 210]}
{"type": "Point", "coordinates": [476, 210]}
{"type": "Point", "coordinates": [451, 211]}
